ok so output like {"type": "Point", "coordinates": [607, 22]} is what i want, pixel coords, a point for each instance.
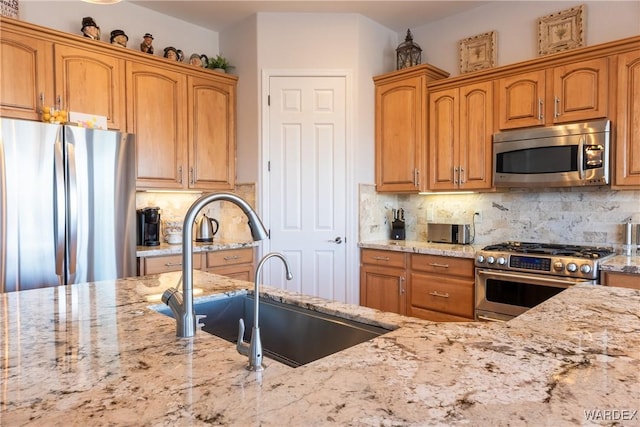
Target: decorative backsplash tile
{"type": "Point", "coordinates": [592, 216]}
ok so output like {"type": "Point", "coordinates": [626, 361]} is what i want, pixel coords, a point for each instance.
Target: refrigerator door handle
{"type": "Point", "coordinates": [72, 212]}
{"type": "Point", "coordinates": [59, 208]}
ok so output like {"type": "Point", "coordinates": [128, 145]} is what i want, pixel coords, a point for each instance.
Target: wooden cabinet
{"type": "Point", "coordinates": [400, 128]}
{"type": "Point", "coordinates": [565, 93]}
{"type": "Point", "coordinates": [211, 133]}
{"type": "Point", "coordinates": [27, 74]}
{"type": "Point", "coordinates": [627, 141]}
{"type": "Point", "coordinates": [460, 132]}
{"type": "Point", "coordinates": [441, 288]}
{"type": "Point", "coordinates": [624, 280]}
{"type": "Point", "coordinates": [90, 82]}
{"type": "Point", "coordinates": [383, 280]}
{"type": "Point", "coordinates": [165, 263]}
{"type": "Point", "coordinates": [234, 263]}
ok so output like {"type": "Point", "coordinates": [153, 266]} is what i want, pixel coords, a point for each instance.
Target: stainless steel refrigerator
{"type": "Point", "coordinates": [67, 205]}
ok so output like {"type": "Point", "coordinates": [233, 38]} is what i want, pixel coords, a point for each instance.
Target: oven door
{"type": "Point", "coordinates": [503, 295]}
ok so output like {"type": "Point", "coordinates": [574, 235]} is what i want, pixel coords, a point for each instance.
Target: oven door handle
{"type": "Point", "coordinates": [564, 282]}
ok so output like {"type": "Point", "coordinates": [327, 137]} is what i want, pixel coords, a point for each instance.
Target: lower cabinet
{"type": "Point", "coordinates": [431, 287]}
{"type": "Point", "coordinates": [165, 264]}
{"type": "Point", "coordinates": [441, 288]}
{"type": "Point", "coordinates": [382, 280]}
{"type": "Point", "coordinates": [233, 263]}
{"type": "Point", "coordinates": [623, 280]}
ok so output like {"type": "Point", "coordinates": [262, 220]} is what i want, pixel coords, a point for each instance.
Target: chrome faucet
{"type": "Point", "coordinates": [181, 304]}
{"type": "Point", "coordinates": [254, 348]}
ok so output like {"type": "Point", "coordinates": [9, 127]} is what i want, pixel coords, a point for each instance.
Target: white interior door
{"type": "Point", "coordinates": [306, 183]}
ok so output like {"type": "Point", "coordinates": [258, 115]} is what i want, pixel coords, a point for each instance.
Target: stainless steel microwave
{"type": "Point", "coordinates": [568, 155]}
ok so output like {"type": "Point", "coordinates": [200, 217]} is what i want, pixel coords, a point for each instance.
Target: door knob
{"type": "Point", "coordinates": [337, 240]}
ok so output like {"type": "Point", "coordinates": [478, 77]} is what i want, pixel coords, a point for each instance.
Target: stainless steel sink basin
{"type": "Point", "coordinates": [290, 334]}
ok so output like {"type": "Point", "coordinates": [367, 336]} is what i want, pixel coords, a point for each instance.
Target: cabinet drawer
{"type": "Point", "coordinates": [462, 267]}
{"type": "Point", "coordinates": [623, 280]}
{"type": "Point", "coordinates": [442, 294]}
{"type": "Point", "coordinates": [229, 257]}
{"type": "Point", "coordinates": [164, 264]}
{"type": "Point", "coordinates": [384, 258]}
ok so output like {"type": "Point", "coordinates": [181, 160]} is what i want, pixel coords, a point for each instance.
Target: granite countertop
{"type": "Point", "coordinates": [96, 354]}
{"type": "Point", "coordinates": [622, 264]}
{"type": "Point", "coordinates": [167, 249]}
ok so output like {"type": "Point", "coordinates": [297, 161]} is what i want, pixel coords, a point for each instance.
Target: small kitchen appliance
{"type": "Point", "coordinates": [449, 233]}
{"type": "Point", "coordinates": [148, 231]}
{"type": "Point", "coordinates": [205, 229]}
{"type": "Point", "coordinates": [513, 277]}
{"type": "Point", "coordinates": [398, 231]}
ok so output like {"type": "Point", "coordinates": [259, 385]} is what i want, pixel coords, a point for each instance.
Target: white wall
{"type": "Point", "coordinates": [516, 24]}
{"type": "Point", "coordinates": [134, 20]}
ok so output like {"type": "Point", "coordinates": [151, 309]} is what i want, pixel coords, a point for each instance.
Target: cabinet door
{"type": "Point", "coordinates": [476, 136]}
{"type": "Point", "coordinates": [400, 134]}
{"type": "Point", "coordinates": [580, 91]}
{"type": "Point", "coordinates": [212, 139]}
{"type": "Point", "coordinates": [27, 75]}
{"type": "Point", "coordinates": [90, 82]}
{"type": "Point", "coordinates": [444, 137]}
{"type": "Point", "coordinates": [627, 143]}
{"type": "Point", "coordinates": [382, 288]}
{"type": "Point", "coordinates": [521, 99]}
{"type": "Point", "coordinates": [156, 114]}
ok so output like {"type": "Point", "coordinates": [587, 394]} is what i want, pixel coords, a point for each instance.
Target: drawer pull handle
{"type": "Point", "coordinates": [438, 294]}
{"type": "Point", "coordinates": [230, 258]}
{"type": "Point", "coordinates": [381, 258]}
{"type": "Point", "coordinates": [172, 264]}
{"type": "Point", "coordinates": [435, 264]}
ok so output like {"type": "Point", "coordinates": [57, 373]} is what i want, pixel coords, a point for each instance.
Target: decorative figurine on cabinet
{"type": "Point", "coordinates": [180, 55]}
{"type": "Point", "coordinates": [90, 29]}
{"type": "Point", "coordinates": [170, 52]}
{"type": "Point", "coordinates": [146, 46]}
{"type": "Point", "coordinates": [195, 60]}
{"type": "Point", "coordinates": [119, 38]}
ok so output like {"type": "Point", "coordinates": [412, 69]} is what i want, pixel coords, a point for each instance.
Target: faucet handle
{"type": "Point", "coordinates": [199, 323]}
{"type": "Point", "coordinates": [241, 346]}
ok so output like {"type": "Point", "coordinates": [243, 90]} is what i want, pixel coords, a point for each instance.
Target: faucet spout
{"type": "Point", "coordinates": [182, 304]}
{"type": "Point", "coordinates": [254, 348]}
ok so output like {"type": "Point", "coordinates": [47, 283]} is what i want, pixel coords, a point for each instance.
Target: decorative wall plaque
{"type": "Point", "coordinates": [478, 52]}
{"type": "Point", "coordinates": [561, 31]}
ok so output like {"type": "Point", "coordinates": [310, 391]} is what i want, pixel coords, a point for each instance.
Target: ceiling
{"type": "Point", "coordinates": [217, 15]}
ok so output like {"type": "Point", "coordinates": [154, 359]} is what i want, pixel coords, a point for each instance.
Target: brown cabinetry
{"type": "Point", "coordinates": [233, 263]}
{"type": "Point", "coordinates": [165, 264]}
{"type": "Point", "coordinates": [627, 146]}
{"type": "Point", "coordinates": [383, 280]}
{"type": "Point", "coordinates": [401, 128]}
{"type": "Point", "coordinates": [460, 131]}
{"type": "Point", "coordinates": [441, 288]}
{"type": "Point", "coordinates": [624, 280]}
{"type": "Point", "coordinates": [565, 93]}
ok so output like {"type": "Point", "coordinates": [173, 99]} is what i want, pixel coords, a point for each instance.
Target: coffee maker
{"type": "Point", "coordinates": [148, 230]}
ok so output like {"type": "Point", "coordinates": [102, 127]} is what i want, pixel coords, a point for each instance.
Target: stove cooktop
{"type": "Point", "coordinates": [554, 249]}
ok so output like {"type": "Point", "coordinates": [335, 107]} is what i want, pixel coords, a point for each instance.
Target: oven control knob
{"type": "Point", "coordinates": [585, 268]}
{"type": "Point", "coordinates": [490, 260]}
{"type": "Point", "coordinates": [480, 259]}
{"type": "Point", "coordinates": [501, 261]}
{"type": "Point", "coordinates": [558, 266]}
{"type": "Point", "coordinates": [572, 267]}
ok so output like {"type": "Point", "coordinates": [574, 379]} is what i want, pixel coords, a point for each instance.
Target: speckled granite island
{"type": "Point", "coordinates": [96, 354]}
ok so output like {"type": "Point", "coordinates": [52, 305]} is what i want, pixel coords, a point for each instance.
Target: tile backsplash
{"type": "Point", "coordinates": [593, 216]}
{"type": "Point", "coordinates": [174, 205]}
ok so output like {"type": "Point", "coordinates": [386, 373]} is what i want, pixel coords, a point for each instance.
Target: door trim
{"type": "Point", "coordinates": [351, 233]}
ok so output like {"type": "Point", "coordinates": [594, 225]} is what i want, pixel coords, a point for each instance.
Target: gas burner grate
{"type": "Point", "coordinates": [552, 249]}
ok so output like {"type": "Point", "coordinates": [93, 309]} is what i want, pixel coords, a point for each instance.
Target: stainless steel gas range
{"type": "Point", "coordinates": [512, 277]}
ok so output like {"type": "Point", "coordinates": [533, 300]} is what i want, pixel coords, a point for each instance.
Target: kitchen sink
{"type": "Point", "coordinates": [290, 334]}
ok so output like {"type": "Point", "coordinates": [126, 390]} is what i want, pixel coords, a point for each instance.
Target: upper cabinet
{"type": "Point", "coordinates": [183, 117]}
{"type": "Point", "coordinates": [27, 74]}
{"type": "Point", "coordinates": [460, 130]}
{"type": "Point", "coordinates": [401, 128]}
{"type": "Point", "coordinates": [566, 93]}
{"type": "Point", "coordinates": [627, 147]}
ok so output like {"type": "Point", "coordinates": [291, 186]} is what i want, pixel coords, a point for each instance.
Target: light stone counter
{"type": "Point", "coordinates": [167, 249]}
{"type": "Point", "coordinates": [96, 354]}
{"type": "Point", "coordinates": [413, 246]}
{"type": "Point", "coordinates": [622, 264]}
